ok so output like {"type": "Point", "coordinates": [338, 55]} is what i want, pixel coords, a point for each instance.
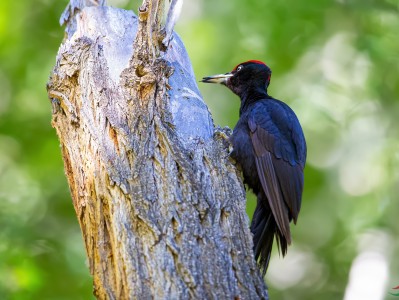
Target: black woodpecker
{"type": "Point", "coordinates": [269, 144]}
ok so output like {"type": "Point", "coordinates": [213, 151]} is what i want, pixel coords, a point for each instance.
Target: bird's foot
{"type": "Point", "coordinates": [223, 134]}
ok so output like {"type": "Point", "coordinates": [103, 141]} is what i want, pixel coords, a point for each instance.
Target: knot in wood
{"type": "Point", "coordinates": [143, 12]}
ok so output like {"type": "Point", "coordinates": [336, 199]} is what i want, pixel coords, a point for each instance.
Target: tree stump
{"type": "Point", "coordinates": [160, 204]}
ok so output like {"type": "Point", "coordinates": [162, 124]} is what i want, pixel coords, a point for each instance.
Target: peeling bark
{"type": "Point", "coordinates": [160, 204]}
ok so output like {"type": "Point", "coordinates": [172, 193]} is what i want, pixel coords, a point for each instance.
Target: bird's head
{"type": "Point", "coordinates": [249, 75]}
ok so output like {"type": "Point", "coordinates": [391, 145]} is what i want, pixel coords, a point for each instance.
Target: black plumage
{"type": "Point", "coordinates": [269, 144]}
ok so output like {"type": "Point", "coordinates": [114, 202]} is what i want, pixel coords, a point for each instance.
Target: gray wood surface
{"type": "Point", "coordinates": [160, 203]}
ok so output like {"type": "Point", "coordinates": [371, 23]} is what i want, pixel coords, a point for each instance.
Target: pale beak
{"type": "Point", "coordinates": [220, 78]}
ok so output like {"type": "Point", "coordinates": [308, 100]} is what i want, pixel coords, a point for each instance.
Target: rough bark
{"type": "Point", "coordinates": [160, 204]}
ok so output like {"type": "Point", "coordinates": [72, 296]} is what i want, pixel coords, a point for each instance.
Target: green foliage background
{"type": "Point", "coordinates": [334, 62]}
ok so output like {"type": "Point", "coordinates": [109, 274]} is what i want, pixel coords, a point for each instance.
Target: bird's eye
{"type": "Point", "coordinates": [239, 68]}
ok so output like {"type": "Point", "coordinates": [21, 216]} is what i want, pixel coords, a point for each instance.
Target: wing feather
{"type": "Point", "coordinates": [271, 187]}
{"type": "Point", "coordinates": [280, 171]}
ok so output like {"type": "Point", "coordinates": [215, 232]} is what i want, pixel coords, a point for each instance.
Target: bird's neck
{"type": "Point", "coordinates": [252, 95]}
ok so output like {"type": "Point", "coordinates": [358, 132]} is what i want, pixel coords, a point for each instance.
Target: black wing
{"type": "Point", "coordinates": [280, 154]}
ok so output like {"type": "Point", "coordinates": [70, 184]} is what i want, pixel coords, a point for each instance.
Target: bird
{"type": "Point", "coordinates": [269, 144]}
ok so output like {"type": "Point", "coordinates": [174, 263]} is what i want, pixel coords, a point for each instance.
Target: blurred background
{"type": "Point", "coordinates": [334, 62]}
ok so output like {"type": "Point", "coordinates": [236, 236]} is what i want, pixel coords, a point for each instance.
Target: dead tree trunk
{"type": "Point", "coordinates": [160, 204]}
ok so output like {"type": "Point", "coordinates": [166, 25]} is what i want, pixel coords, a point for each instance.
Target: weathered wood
{"type": "Point", "coordinates": [159, 202]}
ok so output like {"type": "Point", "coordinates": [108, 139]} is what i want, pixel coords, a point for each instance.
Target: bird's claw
{"type": "Point", "coordinates": [223, 133]}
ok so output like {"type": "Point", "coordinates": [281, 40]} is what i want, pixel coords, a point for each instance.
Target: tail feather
{"type": "Point", "coordinates": [264, 228]}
